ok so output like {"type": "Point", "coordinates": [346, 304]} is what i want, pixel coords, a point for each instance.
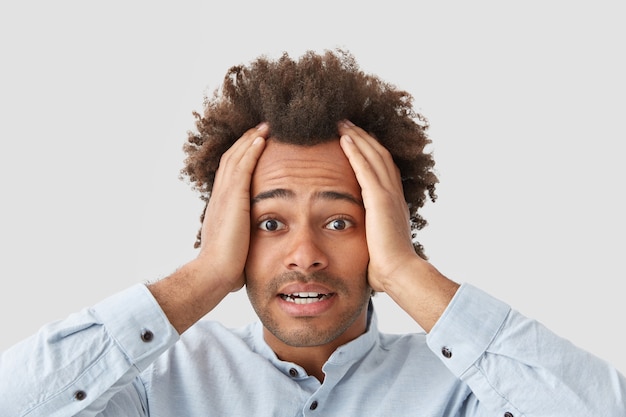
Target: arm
{"type": "Point", "coordinates": [511, 363]}
{"type": "Point", "coordinates": [89, 363]}
{"type": "Point", "coordinates": [87, 360]}
{"type": "Point", "coordinates": [199, 286]}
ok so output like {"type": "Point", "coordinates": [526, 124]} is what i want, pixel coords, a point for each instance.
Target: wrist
{"type": "Point", "coordinates": [421, 290]}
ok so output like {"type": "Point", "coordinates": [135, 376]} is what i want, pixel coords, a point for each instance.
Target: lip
{"type": "Point", "coordinates": [310, 309]}
{"type": "Point", "coordinates": [305, 287]}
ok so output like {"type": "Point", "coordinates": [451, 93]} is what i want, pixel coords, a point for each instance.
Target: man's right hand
{"type": "Point", "coordinates": [225, 235]}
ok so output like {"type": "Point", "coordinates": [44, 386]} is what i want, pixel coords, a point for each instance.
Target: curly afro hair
{"type": "Point", "coordinates": [302, 101]}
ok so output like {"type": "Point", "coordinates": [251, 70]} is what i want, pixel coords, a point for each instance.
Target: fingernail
{"type": "Point", "coordinates": [347, 138]}
{"type": "Point", "coordinates": [261, 126]}
{"type": "Point", "coordinates": [349, 123]}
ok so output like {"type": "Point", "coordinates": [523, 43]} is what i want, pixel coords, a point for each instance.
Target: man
{"type": "Point", "coordinates": [312, 210]}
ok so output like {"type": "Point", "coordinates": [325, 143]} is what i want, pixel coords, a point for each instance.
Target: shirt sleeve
{"type": "Point", "coordinates": [86, 362]}
{"type": "Point", "coordinates": [517, 367]}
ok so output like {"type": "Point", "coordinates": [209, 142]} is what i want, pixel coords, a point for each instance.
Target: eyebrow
{"type": "Point", "coordinates": [275, 193]}
{"type": "Point", "coordinates": [322, 195]}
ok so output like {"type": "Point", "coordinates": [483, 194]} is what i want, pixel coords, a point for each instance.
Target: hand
{"type": "Point", "coordinates": [395, 268]}
{"type": "Point", "coordinates": [387, 220]}
{"type": "Point", "coordinates": [225, 235]}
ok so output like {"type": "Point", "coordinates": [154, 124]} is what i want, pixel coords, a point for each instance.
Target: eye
{"type": "Point", "coordinates": [271, 225]}
{"type": "Point", "coordinates": [338, 224]}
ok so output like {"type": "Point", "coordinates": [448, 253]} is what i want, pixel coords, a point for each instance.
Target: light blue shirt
{"type": "Point", "coordinates": [123, 358]}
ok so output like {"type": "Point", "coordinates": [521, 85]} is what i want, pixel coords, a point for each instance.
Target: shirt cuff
{"type": "Point", "coordinates": [466, 328]}
{"type": "Point", "coordinates": [134, 319]}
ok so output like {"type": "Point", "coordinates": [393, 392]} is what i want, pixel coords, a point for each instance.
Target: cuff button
{"type": "Point", "coordinates": [147, 335]}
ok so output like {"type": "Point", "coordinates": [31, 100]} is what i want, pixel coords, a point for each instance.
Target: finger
{"type": "Point", "coordinates": [376, 154]}
{"type": "Point", "coordinates": [249, 146]}
{"type": "Point", "coordinates": [350, 127]}
{"type": "Point", "coordinates": [365, 175]}
{"type": "Point", "coordinates": [238, 149]}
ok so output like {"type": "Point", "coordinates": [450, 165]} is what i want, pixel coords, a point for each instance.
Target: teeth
{"type": "Point", "coordinates": [304, 294]}
{"type": "Point", "coordinates": [304, 297]}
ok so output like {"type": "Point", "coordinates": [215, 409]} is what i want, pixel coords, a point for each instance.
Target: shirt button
{"type": "Point", "coordinates": [507, 414]}
{"type": "Point", "coordinates": [313, 405]}
{"type": "Point", "coordinates": [293, 372]}
{"type": "Point", "coordinates": [447, 353]}
{"type": "Point", "coordinates": [147, 335]}
{"type": "Point", "coordinates": [80, 395]}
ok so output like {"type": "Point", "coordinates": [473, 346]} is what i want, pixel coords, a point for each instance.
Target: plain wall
{"type": "Point", "coordinates": [525, 102]}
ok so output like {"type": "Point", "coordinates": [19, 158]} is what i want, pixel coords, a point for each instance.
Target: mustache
{"type": "Point", "coordinates": [320, 277]}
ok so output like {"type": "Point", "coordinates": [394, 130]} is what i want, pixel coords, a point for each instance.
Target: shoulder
{"type": "Point", "coordinates": [203, 348]}
{"type": "Point", "coordinates": [403, 343]}
{"type": "Point", "coordinates": [208, 335]}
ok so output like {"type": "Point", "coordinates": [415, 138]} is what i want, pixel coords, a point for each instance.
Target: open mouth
{"type": "Point", "coordinates": [305, 297]}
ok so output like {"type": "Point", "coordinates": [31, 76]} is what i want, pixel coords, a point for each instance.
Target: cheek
{"type": "Point", "coordinates": [352, 254]}
{"type": "Point", "coordinates": [260, 254]}
{"type": "Point", "coordinates": [361, 254]}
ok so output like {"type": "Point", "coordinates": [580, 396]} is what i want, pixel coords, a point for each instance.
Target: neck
{"type": "Point", "coordinates": [313, 358]}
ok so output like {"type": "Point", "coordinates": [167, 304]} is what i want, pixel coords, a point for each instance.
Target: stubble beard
{"type": "Point", "coordinates": [308, 334]}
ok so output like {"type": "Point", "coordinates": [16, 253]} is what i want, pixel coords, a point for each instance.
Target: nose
{"type": "Point", "coordinates": [305, 253]}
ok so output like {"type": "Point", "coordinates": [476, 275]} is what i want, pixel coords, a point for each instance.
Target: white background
{"type": "Point", "coordinates": [526, 102]}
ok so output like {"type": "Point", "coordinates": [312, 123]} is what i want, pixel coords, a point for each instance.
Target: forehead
{"type": "Point", "coordinates": [284, 165]}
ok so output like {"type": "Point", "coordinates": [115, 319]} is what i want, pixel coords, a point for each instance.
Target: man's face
{"type": "Point", "coordinates": [306, 273]}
